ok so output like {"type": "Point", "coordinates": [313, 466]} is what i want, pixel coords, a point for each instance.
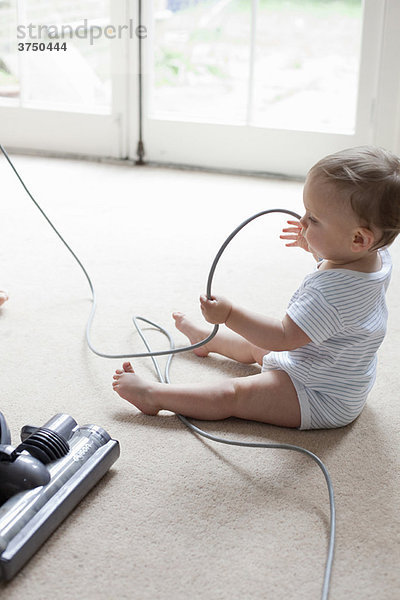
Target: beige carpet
{"type": "Point", "coordinates": [180, 517]}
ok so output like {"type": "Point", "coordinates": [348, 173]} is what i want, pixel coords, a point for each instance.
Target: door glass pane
{"type": "Point", "coordinates": [307, 64]}
{"type": "Point", "coordinates": [56, 53]}
{"type": "Point", "coordinates": [305, 58]}
{"type": "Point", "coordinates": [201, 60]}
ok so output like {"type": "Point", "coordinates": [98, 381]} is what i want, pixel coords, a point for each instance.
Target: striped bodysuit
{"type": "Point", "coordinates": [344, 314]}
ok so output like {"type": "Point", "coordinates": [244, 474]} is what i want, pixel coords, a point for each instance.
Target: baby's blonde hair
{"type": "Point", "coordinates": [369, 177]}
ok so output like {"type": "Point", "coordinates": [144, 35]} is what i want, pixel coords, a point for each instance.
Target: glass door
{"type": "Point", "coordinates": [63, 75]}
{"type": "Point", "coordinates": [236, 84]}
{"type": "Point", "coordinates": [251, 84]}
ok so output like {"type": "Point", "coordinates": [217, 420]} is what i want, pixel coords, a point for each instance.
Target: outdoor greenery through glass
{"type": "Point", "coordinates": [305, 62]}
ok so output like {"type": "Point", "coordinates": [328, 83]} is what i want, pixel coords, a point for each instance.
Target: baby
{"type": "Point", "coordinates": [319, 361]}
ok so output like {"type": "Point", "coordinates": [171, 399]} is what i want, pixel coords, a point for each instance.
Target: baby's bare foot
{"type": "Point", "coordinates": [3, 297]}
{"type": "Point", "coordinates": [193, 332]}
{"type": "Point", "coordinates": [133, 388]}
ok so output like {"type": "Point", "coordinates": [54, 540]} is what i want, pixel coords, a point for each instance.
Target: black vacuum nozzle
{"type": "Point", "coordinates": [23, 468]}
{"type": "Point", "coordinates": [45, 444]}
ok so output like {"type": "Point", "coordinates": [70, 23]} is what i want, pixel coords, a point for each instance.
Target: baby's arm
{"type": "Point", "coordinates": [264, 332]}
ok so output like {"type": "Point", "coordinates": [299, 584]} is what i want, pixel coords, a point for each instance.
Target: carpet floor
{"type": "Point", "coordinates": [179, 516]}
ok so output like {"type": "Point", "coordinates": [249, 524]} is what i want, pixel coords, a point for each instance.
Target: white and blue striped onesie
{"type": "Point", "coordinates": [344, 314]}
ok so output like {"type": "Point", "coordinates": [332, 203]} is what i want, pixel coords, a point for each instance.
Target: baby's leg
{"type": "Point", "coordinates": [227, 343]}
{"type": "Point", "coordinates": [268, 397]}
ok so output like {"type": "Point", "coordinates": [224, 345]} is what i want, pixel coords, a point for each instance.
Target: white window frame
{"type": "Point", "coordinates": [387, 101]}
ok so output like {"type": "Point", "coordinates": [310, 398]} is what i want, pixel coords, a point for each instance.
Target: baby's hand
{"type": "Point", "coordinates": [215, 310]}
{"type": "Point", "coordinates": [295, 234]}
{"type": "Point", "coordinates": [3, 297]}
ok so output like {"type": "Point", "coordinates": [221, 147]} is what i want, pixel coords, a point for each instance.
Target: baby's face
{"type": "Point", "coordinates": [329, 223]}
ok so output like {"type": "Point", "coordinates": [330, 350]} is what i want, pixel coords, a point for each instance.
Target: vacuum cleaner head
{"type": "Point", "coordinates": [43, 479]}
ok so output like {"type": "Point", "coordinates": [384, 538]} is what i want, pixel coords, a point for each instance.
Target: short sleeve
{"type": "Point", "coordinates": [315, 316]}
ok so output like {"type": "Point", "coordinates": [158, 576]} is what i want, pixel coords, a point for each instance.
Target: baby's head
{"type": "Point", "coordinates": [354, 195]}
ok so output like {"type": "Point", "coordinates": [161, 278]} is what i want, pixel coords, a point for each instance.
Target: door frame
{"type": "Point", "coordinates": [207, 145]}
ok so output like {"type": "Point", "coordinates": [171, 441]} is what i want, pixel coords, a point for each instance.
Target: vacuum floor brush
{"type": "Point", "coordinates": [43, 479]}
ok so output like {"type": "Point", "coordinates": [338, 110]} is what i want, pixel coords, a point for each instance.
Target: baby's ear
{"type": "Point", "coordinates": [363, 239]}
